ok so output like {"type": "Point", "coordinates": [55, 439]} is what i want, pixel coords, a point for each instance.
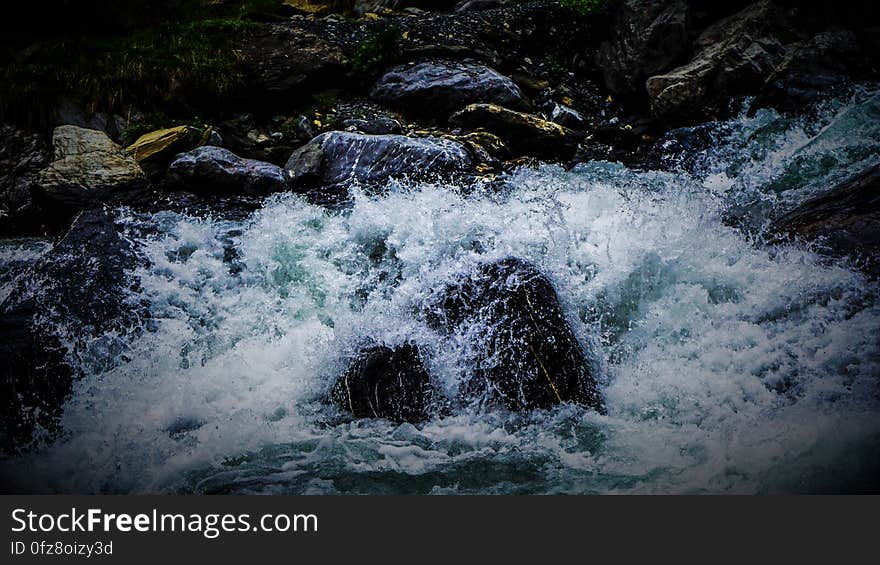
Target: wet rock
{"type": "Point", "coordinates": [285, 65]}
{"type": "Point", "coordinates": [375, 126]}
{"type": "Point", "coordinates": [335, 159]}
{"type": "Point", "coordinates": [647, 36]}
{"type": "Point", "coordinates": [220, 171]}
{"type": "Point", "coordinates": [487, 148]}
{"type": "Point", "coordinates": [438, 88]}
{"type": "Point", "coordinates": [478, 5]}
{"type": "Point", "coordinates": [733, 56]}
{"type": "Point", "coordinates": [22, 156]}
{"type": "Point", "coordinates": [525, 134]}
{"type": "Point", "coordinates": [88, 169]}
{"type": "Point", "coordinates": [811, 70]}
{"type": "Point", "coordinates": [567, 117]}
{"type": "Point", "coordinates": [385, 383]}
{"type": "Point", "coordinates": [845, 221]}
{"type": "Point", "coordinates": [525, 354]}
{"type": "Point", "coordinates": [78, 287]}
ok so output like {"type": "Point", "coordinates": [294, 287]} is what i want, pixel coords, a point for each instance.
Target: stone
{"type": "Point", "coordinates": [647, 37]}
{"type": "Point", "coordinates": [22, 156]}
{"type": "Point", "coordinates": [385, 383]}
{"type": "Point", "coordinates": [438, 88]}
{"type": "Point", "coordinates": [524, 353]}
{"type": "Point", "coordinates": [567, 116]}
{"type": "Point", "coordinates": [335, 159]}
{"type": "Point", "coordinates": [88, 169]}
{"type": "Point", "coordinates": [732, 56]}
{"type": "Point", "coordinates": [284, 65]}
{"type": "Point", "coordinates": [844, 221]}
{"type": "Point", "coordinates": [216, 170]}
{"type": "Point", "coordinates": [165, 141]}
{"type": "Point", "coordinates": [79, 287]}
{"type": "Point", "coordinates": [525, 134]}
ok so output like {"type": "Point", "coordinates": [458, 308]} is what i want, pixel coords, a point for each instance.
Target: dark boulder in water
{"type": "Point", "coordinates": [385, 383]}
{"type": "Point", "coordinates": [219, 171]}
{"type": "Point", "coordinates": [526, 355]}
{"type": "Point", "coordinates": [438, 88]}
{"type": "Point", "coordinates": [845, 221]}
{"type": "Point", "coordinates": [335, 159]}
{"type": "Point", "coordinates": [78, 287]}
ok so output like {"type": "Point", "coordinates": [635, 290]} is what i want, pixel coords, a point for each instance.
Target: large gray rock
{"type": "Point", "coordinates": [215, 170]}
{"type": "Point", "coordinates": [524, 353]}
{"type": "Point", "coordinates": [647, 36]}
{"type": "Point", "coordinates": [335, 159]}
{"type": "Point", "coordinates": [438, 88]}
{"type": "Point", "coordinates": [22, 156]}
{"type": "Point", "coordinates": [88, 168]}
{"type": "Point", "coordinates": [845, 221]}
{"type": "Point", "coordinates": [800, 49]}
{"type": "Point", "coordinates": [732, 54]}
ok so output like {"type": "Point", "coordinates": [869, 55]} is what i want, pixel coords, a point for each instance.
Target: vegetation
{"type": "Point", "coordinates": [190, 55]}
{"type": "Point", "coordinates": [377, 51]}
{"type": "Point", "coordinates": [588, 7]}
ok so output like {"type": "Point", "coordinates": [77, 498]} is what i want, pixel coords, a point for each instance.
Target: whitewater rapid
{"type": "Point", "coordinates": [727, 365]}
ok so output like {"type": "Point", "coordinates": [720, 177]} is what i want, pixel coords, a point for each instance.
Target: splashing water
{"type": "Point", "coordinates": [726, 365]}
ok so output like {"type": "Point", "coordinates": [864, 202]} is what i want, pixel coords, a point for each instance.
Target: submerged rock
{"type": "Point", "coordinates": [385, 383]}
{"type": "Point", "coordinates": [438, 88]}
{"type": "Point", "coordinates": [845, 221]}
{"type": "Point", "coordinates": [78, 287]}
{"type": "Point", "coordinates": [647, 36]}
{"type": "Point", "coordinates": [89, 169]}
{"type": "Point", "coordinates": [525, 134]}
{"type": "Point", "coordinates": [219, 171]}
{"type": "Point", "coordinates": [525, 355]}
{"type": "Point", "coordinates": [334, 159]}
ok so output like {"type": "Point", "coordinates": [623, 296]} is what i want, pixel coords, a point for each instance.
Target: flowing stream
{"type": "Point", "coordinates": [727, 365]}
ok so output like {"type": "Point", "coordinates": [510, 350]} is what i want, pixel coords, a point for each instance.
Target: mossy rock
{"type": "Point", "coordinates": [155, 144]}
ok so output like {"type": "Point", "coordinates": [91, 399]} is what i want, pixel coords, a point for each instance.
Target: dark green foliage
{"type": "Point", "coordinates": [588, 7]}
{"type": "Point", "coordinates": [191, 56]}
{"type": "Point", "coordinates": [375, 53]}
{"type": "Point", "coordinates": [155, 121]}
